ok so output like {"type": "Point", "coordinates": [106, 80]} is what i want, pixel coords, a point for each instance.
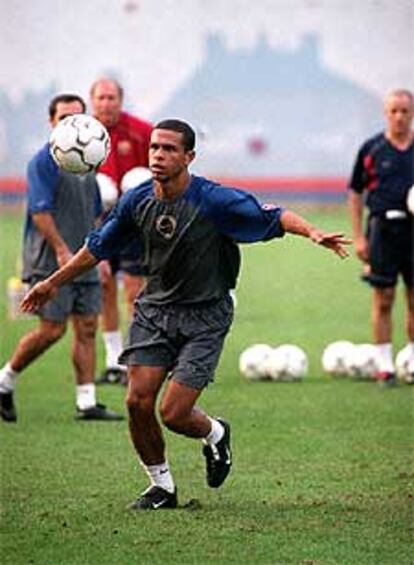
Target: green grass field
{"type": "Point", "coordinates": [323, 469]}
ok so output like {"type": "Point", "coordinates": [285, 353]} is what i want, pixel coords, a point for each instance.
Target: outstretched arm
{"type": "Point", "coordinates": [43, 291]}
{"type": "Point", "coordinates": [293, 223]}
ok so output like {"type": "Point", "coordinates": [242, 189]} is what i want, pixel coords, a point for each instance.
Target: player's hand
{"type": "Point", "coordinates": [335, 241]}
{"type": "Point", "coordinates": [361, 248]}
{"type": "Point", "coordinates": [37, 296]}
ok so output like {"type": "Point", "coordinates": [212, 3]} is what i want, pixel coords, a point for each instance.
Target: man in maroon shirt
{"type": "Point", "coordinates": [129, 149]}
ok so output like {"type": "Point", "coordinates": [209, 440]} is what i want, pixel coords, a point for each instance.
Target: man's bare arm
{"type": "Point", "coordinates": [293, 223]}
{"type": "Point", "coordinates": [356, 207]}
{"type": "Point", "coordinates": [45, 224]}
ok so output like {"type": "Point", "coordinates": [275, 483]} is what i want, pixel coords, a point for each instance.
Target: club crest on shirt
{"type": "Point", "coordinates": [166, 226]}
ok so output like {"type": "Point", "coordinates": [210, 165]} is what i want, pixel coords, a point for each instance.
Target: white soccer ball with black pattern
{"type": "Point", "coordinates": [364, 361]}
{"type": "Point", "coordinates": [287, 363]}
{"type": "Point", "coordinates": [79, 144]}
{"type": "Point", "coordinates": [253, 361]}
{"type": "Point", "coordinates": [404, 365]}
{"type": "Point", "coordinates": [336, 358]}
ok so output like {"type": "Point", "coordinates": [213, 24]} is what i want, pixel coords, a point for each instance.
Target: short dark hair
{"type": "Point", "coordinates": [66, 99]}
{"type": "Point", "coordinates": [179, 126]}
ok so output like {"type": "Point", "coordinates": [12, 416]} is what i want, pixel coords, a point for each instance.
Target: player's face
{"type": "Point", "coordinates": [399, 112]}
{"type": "Point", "coordinates": [106, 103]}
{"type": "Point", "coordinates": [64, 109]}
{"type": "Point", "coordinates": [167, 156]}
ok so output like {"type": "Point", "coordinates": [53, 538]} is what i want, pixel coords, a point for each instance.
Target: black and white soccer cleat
{"type": "Point", "coordinates": [218, 458]}
{"type": "Point", "coordinates": [155, 498]}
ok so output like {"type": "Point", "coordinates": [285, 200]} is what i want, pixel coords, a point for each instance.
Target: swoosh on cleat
{"type": "Point", "coordinates": [156, 505]}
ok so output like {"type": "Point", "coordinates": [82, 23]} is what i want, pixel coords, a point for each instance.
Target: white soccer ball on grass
{"type": "Point", "coordinates": [79, 144]}
{"type": "Point", "coordinates": [287, 363]}
{"type": "Point", "coordinates": [253, 361]}
{"type": "Point", "coordinates": [336, 358]}
{"type": "Point", "coordinates": [364, 363]}
{"type": "Point", "coordinates": [404, 365]}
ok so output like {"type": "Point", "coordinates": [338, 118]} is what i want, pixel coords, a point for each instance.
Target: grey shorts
{"type": "Point", "coordinates": [74, 298]}
{"type": "Point", "coordinates": [186, 340]}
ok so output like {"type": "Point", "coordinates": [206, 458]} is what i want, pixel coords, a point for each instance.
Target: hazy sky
{"type": "Point", "coordinates": [154, 45]}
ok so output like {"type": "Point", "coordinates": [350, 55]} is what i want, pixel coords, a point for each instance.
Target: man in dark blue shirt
{"type": "Point", "coordinates": [62, 209]}
{"type": "Point", "coordinates": [384, 173]}
{"type": "Point", "coordinates": [188, 229]}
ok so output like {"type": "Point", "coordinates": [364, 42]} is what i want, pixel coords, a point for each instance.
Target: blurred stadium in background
{"type": "Point", "coordinates": [281, 93]}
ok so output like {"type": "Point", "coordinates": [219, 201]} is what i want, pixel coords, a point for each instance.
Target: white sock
{"type": "Point", "coordinates": [7, 378]}
{"type": "Point", "coordinates": [216, 432]}
{"type": "Point", "coordinates": [385, 361]}
{"type": "Point", "coordinates": [113, 348]}
{"type": "Point", "coordinates": [160, 476]}
{"type": "Point", "coordinates": [85, 396]}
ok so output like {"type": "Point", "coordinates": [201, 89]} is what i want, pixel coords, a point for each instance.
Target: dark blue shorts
{"type": "Point", "coordinates": [391, 251]}
{"type": "Point", "coordinates": [186, 340]}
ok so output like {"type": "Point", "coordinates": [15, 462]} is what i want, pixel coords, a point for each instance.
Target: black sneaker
{"type": "Point", "coordinates": [7, 409]}
{"type": "Point", "coordinates": [218, 458]}
{"type": "Point", "coordinates": [98, 412]}
{"type": "Point", "coordinates": [112, 376]}
{"type": "Point", "coordinates": [155, 498]}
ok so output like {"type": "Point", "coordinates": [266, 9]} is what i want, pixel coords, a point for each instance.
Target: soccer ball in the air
{"type": "Point", "coordinates": [108, 190]}
{"type": "Point", "coordinates": [336, 358]}
{"type": "Point", "coordinates": [364, 361]}
{"type": "Point", "coordinates": [287, 363]}
{"type": "Point", "coordinates": [134, 177]}
{"type": "Point", "coordinates": [404, 364]}
{"type": "Point", "coordinates": [253, 361]}
{"type": "Point", "coordinates": [79, 144]}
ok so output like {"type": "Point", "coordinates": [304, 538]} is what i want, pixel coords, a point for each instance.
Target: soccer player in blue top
{"type": "Point", "coordinates": [188, 229]}
{"type": "Point", "coordinates": [61, 211]}
{"type": "Point", "coordinates": [384, 173]}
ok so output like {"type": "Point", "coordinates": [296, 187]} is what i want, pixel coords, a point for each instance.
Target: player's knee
{"type": "Point", "coordinates": [51, 334]}
{"type": "Point", "coordinates": [172, 417]}
{"type": "Point", "coordinates": [109, 288]}
{"type": "Point", "coordinates": [385, 300]}
{"type": "Point", "coordinates": [87, 331]}
{"type": "Point", "coordinates": [138, 403]}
